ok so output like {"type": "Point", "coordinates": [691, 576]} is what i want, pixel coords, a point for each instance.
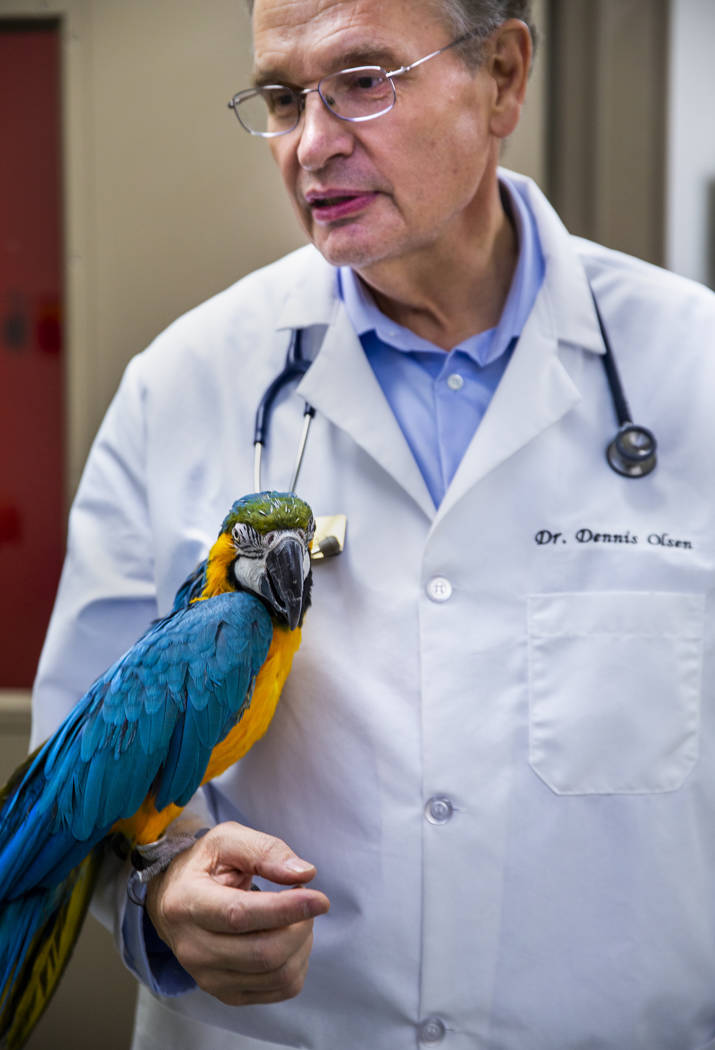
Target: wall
{"type": "Point", "coordinates": [690, 228]}
{"type": "Point", "coordinates": [607, 89]}
{"type": "Point", "coordinates": [525, 151]}
{"type": "Point", "coordinates": [166, 200]}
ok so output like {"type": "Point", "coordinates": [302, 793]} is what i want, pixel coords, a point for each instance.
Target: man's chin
{"type": "Point", "coordinates": [341, 246]}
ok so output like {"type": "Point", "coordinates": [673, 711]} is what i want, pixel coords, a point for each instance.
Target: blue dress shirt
{"type": "Point", "coordinates": [439, 397]}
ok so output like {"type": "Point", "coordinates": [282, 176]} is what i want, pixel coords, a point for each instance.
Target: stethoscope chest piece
{"type": "Point", "coordinates": [632, 452]}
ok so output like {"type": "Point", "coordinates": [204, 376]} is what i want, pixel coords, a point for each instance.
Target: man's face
{"type": "Point", "coordinates": [405, 183]}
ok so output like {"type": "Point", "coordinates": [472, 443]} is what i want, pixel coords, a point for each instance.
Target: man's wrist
{"type": "Point", "coordinates": [153, 858]}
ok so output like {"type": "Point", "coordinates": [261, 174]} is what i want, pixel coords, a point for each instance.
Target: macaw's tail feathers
{"type": "Point", "coordinates": [37, 934]}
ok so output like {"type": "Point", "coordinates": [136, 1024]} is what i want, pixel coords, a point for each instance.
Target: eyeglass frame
{"type": "Point", "coordinates": [300, 94]}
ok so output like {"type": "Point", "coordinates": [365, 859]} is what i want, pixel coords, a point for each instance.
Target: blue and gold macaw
{"type": "Point", "coordinates": [184, 703]}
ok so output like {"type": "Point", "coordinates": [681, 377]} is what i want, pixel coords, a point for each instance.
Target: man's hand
{"type": "Point", "coordinates": [240, 946]}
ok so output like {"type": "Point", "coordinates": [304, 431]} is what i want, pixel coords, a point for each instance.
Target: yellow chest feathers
{"type": "Point", "coordinates": [148, 824]}
{"type": "Point", "coordinates": [255, 721]}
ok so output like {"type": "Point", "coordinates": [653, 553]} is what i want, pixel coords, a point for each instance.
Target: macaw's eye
{"type": "Point", "coordinates": [247, 540]}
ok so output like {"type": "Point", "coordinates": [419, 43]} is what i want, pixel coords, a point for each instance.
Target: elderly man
{"type": "Point", "coordinates": [488, 795]}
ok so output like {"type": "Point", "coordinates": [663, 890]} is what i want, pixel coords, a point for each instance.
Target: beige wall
{"type": "Point", "coordinates": [526, 150]}
{"type": "Point", "coordinates": [608, 77]}
{"type": "Point", "coordinates": [166, 200]}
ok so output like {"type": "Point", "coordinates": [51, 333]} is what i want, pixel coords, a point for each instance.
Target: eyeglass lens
{"type": "Point", "coordinates": [353, 94]}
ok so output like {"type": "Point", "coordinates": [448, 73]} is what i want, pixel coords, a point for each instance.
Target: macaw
{"type": "Point", "coordinates": [185, 702]}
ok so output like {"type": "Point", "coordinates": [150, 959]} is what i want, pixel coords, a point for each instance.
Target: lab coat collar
{"type": "Point", "coordinates": [569, 291]}
{"type": "Point", "coordinates": [341, 383]}
{"type": "Point", "coordinates": [537, 388]}
{"type": "Point", "coordinates": [535, 392]}
{"type": "Point", "coordinates": [342, 386]}
{"type": "Point", "coordinates": [312, 297]}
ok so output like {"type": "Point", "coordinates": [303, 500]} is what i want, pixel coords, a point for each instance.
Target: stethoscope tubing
{"type": "Point", "coordinates": [633, 451]}
{"type": "Point", "coordinates": [295, 368]}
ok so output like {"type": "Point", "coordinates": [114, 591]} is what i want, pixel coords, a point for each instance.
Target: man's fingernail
{"type": "Point", "coordinates": [297, 865]}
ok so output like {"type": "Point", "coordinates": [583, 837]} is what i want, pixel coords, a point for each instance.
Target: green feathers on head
{"type": "Point", "coordinates": [265, 511]}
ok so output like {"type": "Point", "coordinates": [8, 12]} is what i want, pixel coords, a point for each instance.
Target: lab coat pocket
{"type": "Point", "coordinates": [614, 690]}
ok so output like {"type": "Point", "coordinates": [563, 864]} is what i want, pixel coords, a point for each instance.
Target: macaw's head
{"type": "Point", "coordinates": [264, 547]}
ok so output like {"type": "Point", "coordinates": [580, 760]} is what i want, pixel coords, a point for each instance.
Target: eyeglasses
{"type": "Point", "coordinates": [358, 94]}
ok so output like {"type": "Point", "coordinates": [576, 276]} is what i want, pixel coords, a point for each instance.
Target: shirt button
{"type": "Point", "coordinates": [432, 1030]}
{"type": "Point", "coordinates": [439, 589]}
{"type": "Point", "coordinates": [455, 381]}
{"type": "Point", "coordinates": [439, 810]}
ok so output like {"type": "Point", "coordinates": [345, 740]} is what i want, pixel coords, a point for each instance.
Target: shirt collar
{"type": "Point", "coordinates": [484, 347]}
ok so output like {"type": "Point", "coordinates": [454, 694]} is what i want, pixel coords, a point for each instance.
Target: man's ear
{"type": "Point", "coordinates": [508, 61]}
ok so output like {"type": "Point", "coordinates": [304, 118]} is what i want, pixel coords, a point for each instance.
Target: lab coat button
{"type": "Point", "coordinates": [455, 381]}
{"type": "Point", "coordinates": [432, 1030]}
{"type": "Point", "coordinates": [439, 810]}
{"type": "Point", "coordinates": [439, 589]}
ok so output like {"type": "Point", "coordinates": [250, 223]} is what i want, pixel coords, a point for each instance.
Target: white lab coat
{"type": "Point", "coordinates": [559, 695]}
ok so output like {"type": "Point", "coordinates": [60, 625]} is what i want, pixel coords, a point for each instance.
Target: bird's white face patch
{"type": "Point", "coordinates": [248, 541]}
{"type": "Point", "coordinates": [252, 549]}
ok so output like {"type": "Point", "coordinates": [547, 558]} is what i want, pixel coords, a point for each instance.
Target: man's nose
{"type": "Point", "coordinates": [323, 135]}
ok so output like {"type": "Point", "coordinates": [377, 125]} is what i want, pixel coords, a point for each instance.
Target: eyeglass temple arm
{"type": "Point", "coordinates": [433, 54]}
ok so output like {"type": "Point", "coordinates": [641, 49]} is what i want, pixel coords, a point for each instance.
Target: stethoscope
{"type": "Point", "coordinates": [632, 452]}
{"type": "Point", "coordinates": [329, 538]}
{"type": "Point", "coordinates": [293, 370]}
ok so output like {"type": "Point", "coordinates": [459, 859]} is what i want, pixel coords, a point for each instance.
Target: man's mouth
{"type": "Point", "coordinates": [333, 206]}
{"type": "Point", "coordinates": [327, 202]}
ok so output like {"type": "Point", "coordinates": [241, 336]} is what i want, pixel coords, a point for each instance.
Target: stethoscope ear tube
{"type": "Point", "coordinates": [295, 368]}
{"type": "Point", "coordinates": [329, 538]}
{"type": "Point", "coordinates": [633, 451]}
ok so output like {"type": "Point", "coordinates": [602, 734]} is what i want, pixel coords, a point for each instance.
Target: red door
{"type": "Point", "coordinates": [31, 365]}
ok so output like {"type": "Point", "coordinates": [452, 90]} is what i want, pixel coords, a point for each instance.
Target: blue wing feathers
{"type": "Point", "coordinates": [191, 588]}
{"type": "Point", "coordinates": [139, 739]}
{"type": "Point", "coordinates": [148, 724]}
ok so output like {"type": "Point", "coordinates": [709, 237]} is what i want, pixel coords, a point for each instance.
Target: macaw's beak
{"type": "Point", "coordinates": [282, 586]}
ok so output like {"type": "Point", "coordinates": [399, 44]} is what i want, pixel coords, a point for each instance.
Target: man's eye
{"type": "Point", "coordinates": [367, 82]}
{"type": "Point", "coordinates": [359, 92]}
{"type": "Point", "coordinates": [280, 102]}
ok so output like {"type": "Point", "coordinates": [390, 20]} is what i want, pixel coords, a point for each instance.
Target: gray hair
{"type": "Point", "coordinates": [478, 18]}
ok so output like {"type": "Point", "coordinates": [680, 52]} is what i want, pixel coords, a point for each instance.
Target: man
{"type": "Point", "coordinates": [493, 760]}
